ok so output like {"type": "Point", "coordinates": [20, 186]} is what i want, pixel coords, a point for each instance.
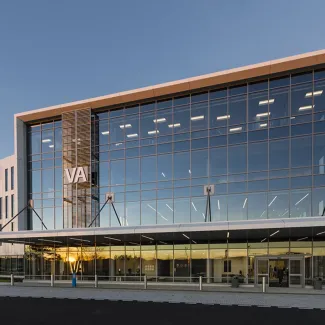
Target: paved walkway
{"type": "Point", "coordinates": [280, 300]}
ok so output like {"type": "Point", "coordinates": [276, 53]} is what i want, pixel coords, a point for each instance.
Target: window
{"type": "Point", "coordinates": [0, 208]}
{"type": "Point", "coordinates": [227, 266]}
{"type": "Point", "coordinates": [12, 205]}
{"type": "Point", "coordinates": [6, 207]}
{"type": "Point", "coordinates": [12, 226]}
{"type": "Point", "coordinates": [12, 173]}
{"type": "Point", "coordinates": [6, 180]}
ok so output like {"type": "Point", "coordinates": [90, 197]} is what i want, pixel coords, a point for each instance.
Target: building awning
{"type": "Point", "coordinates": [233, 231]}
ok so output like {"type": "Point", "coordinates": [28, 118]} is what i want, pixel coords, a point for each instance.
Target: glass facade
{"type": "Point", "coordinates": [261, 144]}
{"type": "Point", "coordinates": [174, 262]}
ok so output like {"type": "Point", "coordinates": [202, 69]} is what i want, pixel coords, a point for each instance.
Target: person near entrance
{"type": "Point", "coordinates": [280, 276]}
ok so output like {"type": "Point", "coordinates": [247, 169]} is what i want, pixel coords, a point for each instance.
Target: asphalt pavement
{"type": "Point", "coordinates": [46, 311]}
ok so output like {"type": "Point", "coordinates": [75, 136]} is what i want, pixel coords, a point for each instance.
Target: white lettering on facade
{"type": "Point", "coordinates": [76, 175]}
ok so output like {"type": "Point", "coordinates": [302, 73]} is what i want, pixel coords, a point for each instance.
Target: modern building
{"type": "Point", "coordinates": [213, 176]}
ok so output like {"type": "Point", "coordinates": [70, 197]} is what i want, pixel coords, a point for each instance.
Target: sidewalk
{"type": "Point", "coordinates": [281, 300]}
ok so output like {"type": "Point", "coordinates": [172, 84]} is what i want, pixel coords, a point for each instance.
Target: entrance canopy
{"type": "Point", "coordinates": [197, 233]}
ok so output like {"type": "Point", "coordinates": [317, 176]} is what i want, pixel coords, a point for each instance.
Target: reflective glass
{"type": "Point", "coordinates": [132, 171]}
{"type": "Point", "coordinates": [319, 149]}
{"type": "Point", "coordinates": [182, 210]}
{"type": "Point", "coordinates": [149, 169]}
{"type": "Point", "coordinates": [257, 156]}
{"type": "Point", "coordinates": [218, 113]}
{"type": "Point", "coordinates": [319, 96]}
{"type": "Point", "coordinates": [117, 129]}
{"type": "Point", "coordinates": [301, 103]}
{"type": "Point", "coordinates": [301, 152]}
{"type": "Point", "coordinates": [257, 206]}
{"type": "Point", "coordinates": [258, 104]}
{"type": "Point", "coordinates": [199, 116]}
{"type": "Point", "coordinates": [237, 207]}
{"type": "Point", "coordinates": [237, 159]}
{"type": "Point", "coordinates": [279, 103]}
{"type": "Point", "coordinates": [165, 167]}
{"type": "Point", "coordinates": [182, 168]}
{"type": "Point", "coordinates": [278, 205]}
{"type": "Point", "coordinates": [279, 154]}
{"type": "Point", "coordinates": [300, 204]}
{"type": "Point", "coordinates": [218, 161]}
{"type": "Point", "coordinates": [182, 119]}
{"type": "Point", "coordinates": [199, 163]}
{"type": "Point", "coordinates": [237, 110]}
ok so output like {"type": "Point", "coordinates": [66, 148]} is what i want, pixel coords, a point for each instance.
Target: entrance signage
{"type": "Point", "coordinates": [76, 175]}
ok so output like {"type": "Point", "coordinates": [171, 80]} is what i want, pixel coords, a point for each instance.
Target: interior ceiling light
{"type": "Point", "coordinates": [160, 120]}
{"type": "Point", "coordinates": [176, 125]}
{"type": "Point", "coordinates": [263, 240]}
{"type": "Point", "coordinates": [194, 206]}
{"type": "Point", "coordinates": [263, 114]}
{"type": "Point", "coordinates": [320, 233]}
{"type": "Point", "coordinates": [169, 207]}
{"type": "Point", "coordinates": [275, 233]}
{"type": "Point", "coordinates": [50, 241]}
{"type": "Point", "coordinates": [302, 238]}
{"type": "Point", "coordinates": [235, 129]}
{"type": "Point", "coordinates": [302, 199]}
{"type": "Point", "coordinates": [197, 118]}
{"type": "Point", "coordinates": [315, 93]}
{"type": "Point", "coordinates": [265, 102]}
{"type": "Point", "coordinates": [125, 126]}
{"type": "Point", "coordinates": [111, 238]}
{"type": "Point", "coordinates": [186, 236]}
{"type": "Point", "coordinates": [244, 203]}
{"type": "Point", "coordinates": [147, 237]}
{"type": "Point", "coordinates": [305, 108]}
{"type": "Point", "coordinates": [273, 200]}
{"type": "Point", "coordinates": [224, 117]}
{"type": "Point", "coordinates": [153, 132]}
{"type": "Point", "coordinates": [46, 140]}
{"type": "Point", "coordinates": [105, 132]}
{"type": "Point", "coordinates": [263, 125]}
{"type": "Point", "coordinates": [133, 135]}
{"type": "Point", "coordinates": [51, 146]}
{"type": "Point", "coordinates": [78, 239]}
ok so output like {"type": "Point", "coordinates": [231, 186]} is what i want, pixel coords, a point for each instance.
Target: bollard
{"type": "Point", "coordinates": [145, 282]}
{"type": "Point", "coordinates": [200, 281]}
{"type": "Point", "coordinates": [96, 281]}
{"type": "Point", "coordinates": [12, 280]}
{"type": "Point", "coordinates": [263, 284]}
{"type": "Point", "coordinates": [74, 280]}
{"type": "Point", "coordinates": [52, 280]}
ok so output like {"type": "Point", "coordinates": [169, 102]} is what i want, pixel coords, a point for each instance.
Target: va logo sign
{"type": "Point", "coordinates": [76, 175]}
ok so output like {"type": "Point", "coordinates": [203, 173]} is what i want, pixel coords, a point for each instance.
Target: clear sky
{"type": "Point", "coordinates": [52, 52]}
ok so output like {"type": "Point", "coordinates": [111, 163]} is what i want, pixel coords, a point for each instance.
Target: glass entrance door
{"type": "Point", "coordinates": [261, 271]}
{"type": "Point", "coordinates": [296, 272]}
{"type": "Point", "coordinates": [279, 272]}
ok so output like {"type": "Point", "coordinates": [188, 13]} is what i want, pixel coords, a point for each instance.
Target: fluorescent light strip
{"type": "Point", "coordinates": [51, 146]}
{"type": "Point", "coordinates": [194, 206]}
{"type": "Point", "coordinates": [244, 203]}
{"type": "Point", "coordinates": [133, 135]}
{"type": "Point", "coordinates": [153, 132]}
{"type": "Point", "coordinates": [302, 238]}
{"type": "Point", "coordinates": [118, 144]}
{"type": "Point", "coordinates": [263, 125]}
{"type": "Point", "coordinates": [262, 213]}
{"type": "Point", "coordinates": [302, 199]}
{"type": "Point", "coordinates": [320, 233]}
{"type": "Point", "coordinates": [273, 200]}
{"type": "Point", "coordinates": [176, 125]}
{"type": "Point", "coordinates": [235, 129]}
{"type": "Point", "coordinates": [197, 118]}
{"type": "Point", "coordinates": [315, 93]}
{"type": "Point", "coordinates": [285, 213]}
{"type": "Point", "coordinates": [163, 174]}
{"type": "Point", "coordinates": [46, 140]}
{"type": "Point", "coordinates": [228, 235]}
{"type": "Point", "coordinates": [263, 240]}
{"type": "Point", "coordinates": [132, 243]}
{"type": "Point", "coordinates": [20, 242]}
{"type": "Point", "coordinates": [159, 120]}
{"type": "Point", "coordinates": [203, 215]}
{"type": "Point", "coordinates": [111, 238]}
{"type": "Point", "coordinates": [105, 132]}
{"type": "Point", "coordinates": [218, 205]}
{"type": "Point", "coordinates": [275, 233]}
{"type": "Point", "coordinates": [162, 242]}
{"type": "Point", "coordinates": [223, 117]}
{"type": "Point", "coordinates": [147, 237]}
{"type": "Point", "coordinates": [265, 102]}
{"type": "Point", "coordinates": [160, 215]}
{"type": "Point", "coordinates": [194, 242]}
{"type": "Point", "coordinates": [305, 108]}
{"type": "Point", "coordinates": [263, 114]}
{"type": "Point", "coordinates": [83, 240]}
{"type": "Point", "coordinates": [189, 171]}
{"type": "Point", "coordinates": [50, 241]}
{"type": "Point", "coordinates": [169, 207]}
{"type": "Point", "coordinates": [186, 236]}
{"type": "Point", "coordinates": [125, 126]}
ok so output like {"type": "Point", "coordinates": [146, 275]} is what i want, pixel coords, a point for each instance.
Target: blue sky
{"type": "Point", "coordinates": [52, 52]}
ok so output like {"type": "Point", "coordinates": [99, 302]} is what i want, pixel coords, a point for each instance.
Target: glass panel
{"type": "Point", "coordinates": [199, 163]}
{"type": "Point", "coordinates": [319, 149]}
{"type": "Point", "coordinates": [181, 119]}
{"type": "Point", "coordinates": [319, 96]}
{"type": "Point", "coordinates": [301, 152]}
{"type": "Point", "coordinates": [279, 103]}
{"type": "Point", "coordinates": [148, 169]}
{"type": "Point", "coordinates": [132, 174]}
{"type": "Point", "coordinates": [182, 210]}
{"type": "Point", "coordinates": [237, 110]}
{"type": "Point", "coordinates": [318, 201]}
{"type": "Point", "coordinates": [199, 116]}
{"type": "Point", "coordinates": [258, 107]}
{"type": "Point", "coordinates": [237, 207]}
{"type": "Point", "coordinates": [218, 113]}
{"type": "Point", "coordinates": [300, 204]}
{"type": "Point", "coordinates": [237, 159]}
{"type": "Point", "coordinates": [257, 206]}
{"type": "Point", "coordinates": [300, 102]}
{"type": "Point", "coordinates": [279, 154]}
{"type": "Point", "coordinates": [278, 204]}
{"type": "Point", "coordinates": [117, 129]}
{"type": "Point", "coordinates": [182, 165]}
{"type": "Point", "coordinates": [257, 156]}
{"type": "Point", "coordinates": [219, 208]}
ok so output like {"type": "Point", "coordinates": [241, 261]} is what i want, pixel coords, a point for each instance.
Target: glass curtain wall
{"type": "Point", "coordinates": [214, 262]}
{"type": "Point", "coordinates": [261, 144]}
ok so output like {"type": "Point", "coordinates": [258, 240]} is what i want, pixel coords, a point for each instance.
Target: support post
{"type": "Point", "coordinates": [263, 284]}
{"type": "Point", "coordinates": [12, 280]}
{"type": "Point", "coordinates": [200, 282]}
{"type": "Point", "coordinates": [145, 282]}
{"type": "Point", "coordinates": [52, 280]}
{"type": "Point", "coordinates": [96, 281]}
